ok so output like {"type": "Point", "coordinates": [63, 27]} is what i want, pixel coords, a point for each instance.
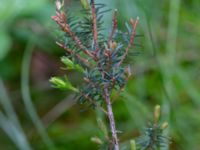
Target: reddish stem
{"type": "Point", "coordinates": [131, 42]}
{"type": "Point", "coordinates": [60, 19]}
{"type": "Point", "coordinates": [94, 25]}
{"type": "Point", "coordinates": [70, 51]}
{"type": "Point", "coordinates": [114, 27]}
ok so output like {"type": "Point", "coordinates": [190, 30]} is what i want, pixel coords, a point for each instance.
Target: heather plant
{"type": "Point", "coordinates": [153, 137]}
{"type": "Point", "coordinates": [101, 61]}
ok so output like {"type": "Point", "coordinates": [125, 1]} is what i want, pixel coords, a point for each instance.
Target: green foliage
{"type": "Point", "coordinates": [5, 44]}
{"type": "Point", "coordinates": [133, 145]}
{"type": "Point", "coordinates": [102, 139]}
{"type": "Point", "coordinates": [62, 83]}
{"type": "Point", "coordinates": [153, 137]}
{"type": "Point", "coordinates": [21, 19]}
{"type": "Point", "coordinates": [70, 64]}
{"type": "Point", "coordinates": [112, 51]}
{"type": "Point", "coordinates": [85, 4]}
{"type": "Point", "coordinates": [103, 128]}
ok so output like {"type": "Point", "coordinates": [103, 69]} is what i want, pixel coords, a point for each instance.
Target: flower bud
{"type": "Point", "coordinates": [63, 84]}
{"type": "Point", "coordinates": [113, 45]}
{"type": "Point", "coordinates": [86, 79]}
{"type": "Point", "coordinates": [59, 5]}
{"type": "Point", "coordinates": [164, 125]}
{"type": "Point", "coordinates": [67, 62]}
{"type": "Point", "coordinates": [58, 82]}
{"type": "Point", "coordinates": [85, 4]}
{"type": "Point", "coordinates": [97, 140]}
{"type": "Point", "coordinates": [157, 113]}
{"type": "Point", "coordinates": [128, 71]}
{"type": "Point", "coordinates": [133, 145]}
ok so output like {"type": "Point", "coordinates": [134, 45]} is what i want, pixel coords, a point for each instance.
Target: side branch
{"type": "Point", "coordinates": [60, 19]}
{"type": "Point", "coordinates": [114, 27]}
{"type": "Point", "coordinates": [132, 37]}
{"type": "Point", "coordinates": [94, 25]}
{"type": "Point", "coordinates": [70, 51]}
{"type": "Point", "coordinates": [94, 103]}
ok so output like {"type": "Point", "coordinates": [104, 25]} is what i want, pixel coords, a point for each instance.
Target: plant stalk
{"type": "Point", "coordinates": [111, 119]}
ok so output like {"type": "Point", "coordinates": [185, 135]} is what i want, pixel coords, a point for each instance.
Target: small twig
{"type": "Point", "coordinates": [132, 37]}
{"type": "Point", "coordinates": [92, 101]}
{"type": "Point", "coordinates": [94, 25]}
{"type": "Point", "coordinates": [60, 19]}
{"type": "Point", "coordinates": [129, 75]}
{"type": "Point", "coordinates": [114, 27]}
{"type": "Point", "coordinates": [85, 61]}
{"type": "Point", "coordinates": [88, 81]}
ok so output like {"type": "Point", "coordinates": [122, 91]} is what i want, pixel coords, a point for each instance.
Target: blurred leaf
{"type": "Point", "coordinates": [4, 45]}
{"type": "Point", "coordinates": [133, 145]}
{"type": "Point", "coordinates": [9, 121]}
{"type": "Point", "coordinates": [97, 140]}
{"type": "Point", "coordinates": [9, 9]}
{"type": "Point", "coordinates": [103, 128]}
{"type": "Point", "coordinates": [85, 4]}
{"type": "Point", "coordinates": [31, 6]}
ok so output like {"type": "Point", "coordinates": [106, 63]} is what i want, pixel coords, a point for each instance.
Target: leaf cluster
{"type": "Point", "coordinates": [98, 57]}
{"type": "Point", "coordinates": [153, 137]}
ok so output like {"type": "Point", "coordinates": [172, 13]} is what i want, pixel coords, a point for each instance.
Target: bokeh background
{"type": "Point", "coordinates": [166, 71]}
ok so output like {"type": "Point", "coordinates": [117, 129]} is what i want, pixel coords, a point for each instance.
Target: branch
{"type": "Point", "coordinates": [114, 27]}
{"type": "Point", "coordinates": [111, 119]}
{"type": "Point", "coordinates": [70, 51]}
{"type": "Point", "coordinates": [132, 37]}
{"type": "Point", "coordinates": [94, 25]}
{"type": "Point", "coordinates": [110, 115]}
{"type": "Point", "coordinates": [60, 19]}
{"type": "Point", "coordinates": [94, 103]}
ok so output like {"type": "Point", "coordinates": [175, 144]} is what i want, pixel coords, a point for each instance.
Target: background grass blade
{"type": "Point", "coordinates": [26, 95]}
{"type": "Point", "coordinates": [10, 123]}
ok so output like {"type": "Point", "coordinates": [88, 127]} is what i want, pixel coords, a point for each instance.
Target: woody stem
{"type": "Point", "coordinates": [111, 119]}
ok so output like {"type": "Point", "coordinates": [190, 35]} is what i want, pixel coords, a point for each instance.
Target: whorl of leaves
{"type": "Point", "coordinates": [152, 139]}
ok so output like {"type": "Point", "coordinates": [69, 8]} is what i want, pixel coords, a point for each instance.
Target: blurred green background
{"type": "Point", "coordinates": [166, 71]}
